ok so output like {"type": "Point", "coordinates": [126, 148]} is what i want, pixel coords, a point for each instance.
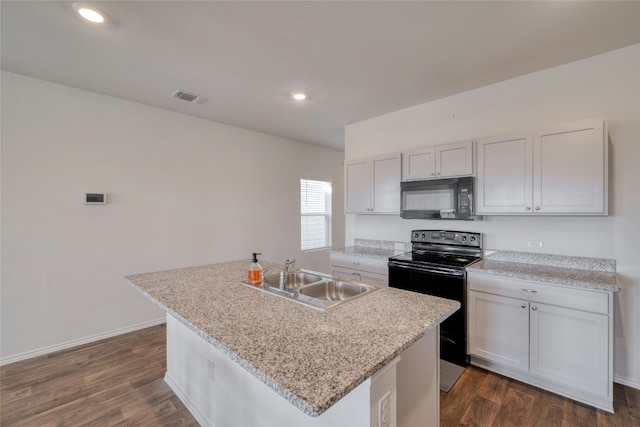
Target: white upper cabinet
{"type": "Point", "coordinates": [357, 186]}
{"type": "Point", "coordinates": [570, 169]}
{"type": "Point", "coordinates": [372, 185]}
{"type": "Point", "coordinates": [419, 164]}
{"type": "Point", "coordinates": [504, 184]}
{"type": "Point", "coordinates": [440, 161]}
{"type": "Point", "coordinates": [556, 171]}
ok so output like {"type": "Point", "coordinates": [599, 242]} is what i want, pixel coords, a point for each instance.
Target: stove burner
{"type": "Point", "coordinates": [430, 258]}
{"type": "Point", "coordinates": [450, 249]}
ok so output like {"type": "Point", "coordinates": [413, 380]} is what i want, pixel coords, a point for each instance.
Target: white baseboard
{"type": "Point", "coordinates": [626, 381]}
{"type": "Point", "coordinates": [187, 402]}
{"type": "Point", "coordinates": [69, 344]}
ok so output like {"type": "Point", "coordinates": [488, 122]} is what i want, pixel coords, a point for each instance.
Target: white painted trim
{"type": "Point", "coordinates": [594, 400]}
{"type": "Point", "coordinates": [86, 340]}
{"type": "Point", "coordinates": [187, 402]}
{"type": "Point", "coordinates": [626, 381]}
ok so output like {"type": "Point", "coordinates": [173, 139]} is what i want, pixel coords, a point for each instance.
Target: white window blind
{"type": "Point", "coordinates": [315, 214]}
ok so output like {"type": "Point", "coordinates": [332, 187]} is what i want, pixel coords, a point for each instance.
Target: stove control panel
{"type": "Point", "coordinates": [446, 237]}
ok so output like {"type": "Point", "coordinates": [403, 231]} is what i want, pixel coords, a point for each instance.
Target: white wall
{"type": "Point", "coordinates": [605, 86]}
{"type": "Point", "coordinates": [182, 191]}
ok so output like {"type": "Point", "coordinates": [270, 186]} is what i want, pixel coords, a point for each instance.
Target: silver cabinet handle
{"type": "Point", "coordinates": [531, 291]}
{"type": "Point", "coordinates": [537, 208]}
{"type": "Point", "coordinates": [534, 308]}
{"type": "Point", "coordinates": [523, 305]}
{"type": "Point", "coordinates": [528, 208]}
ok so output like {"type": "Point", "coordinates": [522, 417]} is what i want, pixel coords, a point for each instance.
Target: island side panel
{"type": "Point", "coordinates": [418, 382]}
{"type": "Point", "coordinates": [220, 393]}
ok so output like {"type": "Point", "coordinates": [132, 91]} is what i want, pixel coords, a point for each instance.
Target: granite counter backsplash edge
{"type": "Point", "coordinates": [382, 244]}
{"type": "Point", "coordinates": [564, 261]}
{"type": "Point", "coordinates": [376, 249]}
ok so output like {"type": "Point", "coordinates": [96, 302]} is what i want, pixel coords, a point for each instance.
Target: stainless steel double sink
{"type": "Point", "coordinates": [313, 289]}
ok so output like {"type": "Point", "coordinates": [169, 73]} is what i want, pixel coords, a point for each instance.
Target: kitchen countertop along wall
{"type": "Point", "coordinates": [581, 272]}
{"type": "Point", "coordinates": [375, 249]}
{"type": "Point", "coordinates": [289, 346]}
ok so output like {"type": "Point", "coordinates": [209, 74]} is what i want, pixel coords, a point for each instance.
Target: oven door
{"type": "Point", "coordinates": [444, 283]}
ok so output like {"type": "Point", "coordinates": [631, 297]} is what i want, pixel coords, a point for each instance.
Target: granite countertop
{"type": "Point", "coordinates": [375, 249]}
{"type": "Point", "coordinates": [286, 345]}
{"type": "Point", "coordinates": [579, 272]}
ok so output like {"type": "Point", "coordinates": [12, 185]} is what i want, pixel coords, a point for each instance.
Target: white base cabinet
{"type": "Point", "coordinates": [359, 276]}
{"type": "Point", "coordinates": [553, 337]}
{"type": "Point", "coordinates": [499, 329]}
{"type": "Point", "coordinates": [360, 269]}
{"type": "Point", "coordinates": [570, 346]}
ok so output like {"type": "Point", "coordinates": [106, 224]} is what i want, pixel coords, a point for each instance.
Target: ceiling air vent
{"type": "Point", "coordinates": [189, 97]}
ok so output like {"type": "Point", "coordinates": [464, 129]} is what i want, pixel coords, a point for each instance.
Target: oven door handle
{"type": "Point", "coordinates": [444, 271]}
{"type": "Point", "coordinates": [447, 339]}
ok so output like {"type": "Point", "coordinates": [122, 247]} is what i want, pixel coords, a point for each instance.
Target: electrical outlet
{"type": "Point", "coordinates": [534, 244]}
{"type": "Point", "coordinates": [384, 410]}
{"type": "Point", "coordinates": [210, 369]}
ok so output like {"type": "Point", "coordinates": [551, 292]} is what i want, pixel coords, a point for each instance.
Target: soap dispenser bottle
{"type": "Point", "coordinates": [255, 271]}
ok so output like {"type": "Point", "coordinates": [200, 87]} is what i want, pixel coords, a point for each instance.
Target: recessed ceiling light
{"type": "Point", "coordinates": [299, 96]}
{"type": "Point", "coordinates": [89, 13]}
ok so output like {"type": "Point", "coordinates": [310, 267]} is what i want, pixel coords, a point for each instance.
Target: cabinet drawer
{"type": "Point", "coordinates": [562, 296]}
{"type": "Point", "coordinates": [372, 265]}
{"type": "Point", "coordinates": [381, 280]}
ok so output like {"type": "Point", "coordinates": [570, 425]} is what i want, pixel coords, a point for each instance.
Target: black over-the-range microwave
{"type": "Point", "coordinates": [447, 198]}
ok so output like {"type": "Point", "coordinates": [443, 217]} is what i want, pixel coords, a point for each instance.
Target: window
{"type": "Point", "coordinates": [315, 214]}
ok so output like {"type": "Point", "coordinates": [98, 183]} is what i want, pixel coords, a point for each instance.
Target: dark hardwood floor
{"type": "Point", "coordinates": [113, 382]}
{"type": "Point", "coordinates": [482, 398]}
{"type": "Point", "coordinates": [119, 382]}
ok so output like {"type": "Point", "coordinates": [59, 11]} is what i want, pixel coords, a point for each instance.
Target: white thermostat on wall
{"type": "Point", "coordinates": [95, 198]}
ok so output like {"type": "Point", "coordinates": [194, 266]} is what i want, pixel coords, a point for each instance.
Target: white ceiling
{"type": "Point", "coordinates": [355, 59]}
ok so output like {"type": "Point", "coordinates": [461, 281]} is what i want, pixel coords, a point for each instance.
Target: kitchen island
{"type": "Point", "coordinates": [240, 356]}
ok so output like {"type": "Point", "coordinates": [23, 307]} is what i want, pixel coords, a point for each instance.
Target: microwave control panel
{"type": "Point", "coordinates": [448, 237]}
{"type": "Point", "coordinates": [464, 201]}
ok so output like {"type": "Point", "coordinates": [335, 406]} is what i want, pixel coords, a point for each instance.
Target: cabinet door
{"type": "Point", "coordinates": [498, 329]}
{"type": "Point", "coordinates": [570, 169]}
{"type": "Point", "coordinates": [345, 273]}
{"type": "Point", "coordinates": [375, 279]}
{"type": "Point", "coordinates": [454, 159]}
{"type": "Point", "coordinates": [386, 184]}
{"type": "Point", "coordinates": [504, 183]}
{"type": "Point", "coordinates": [359, 276]}
{"type": "Point", "coordinates": [357, 187]}
{"type": "Point", "coordinates": [570, 347]}
{"type": "Point", "coordinates": [419, 164]}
